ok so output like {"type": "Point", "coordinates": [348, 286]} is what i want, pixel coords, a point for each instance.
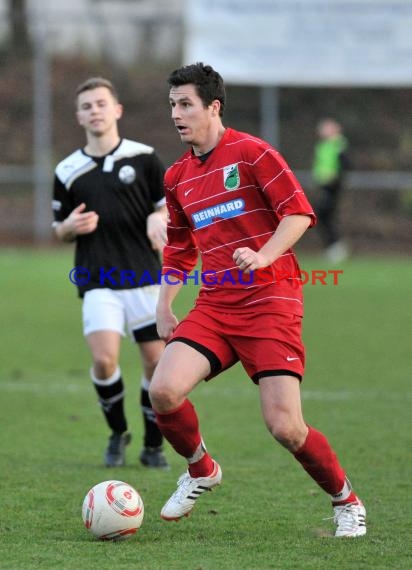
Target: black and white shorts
{"type": "Point", "coordinates": [126, 311]}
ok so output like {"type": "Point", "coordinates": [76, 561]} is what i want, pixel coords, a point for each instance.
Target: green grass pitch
{"type": "Point", "coordinates": [268, 513]}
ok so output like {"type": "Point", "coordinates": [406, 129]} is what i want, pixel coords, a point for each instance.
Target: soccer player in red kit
{"type": "Point", "coordinates": [234, 199]}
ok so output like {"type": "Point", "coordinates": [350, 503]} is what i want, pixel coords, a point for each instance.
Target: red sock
{"type": "Point", "coordinates": [202, 468]}
{"type": "Point", "coordinates": [181, 429]}
{"type": "Point", "coordinates": [317, 458]}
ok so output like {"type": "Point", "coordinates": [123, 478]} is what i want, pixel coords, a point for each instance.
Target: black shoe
{"type": "Point", "coordinates": [115, 452]}
{"type": "Point", "coordinates": [153, 457]}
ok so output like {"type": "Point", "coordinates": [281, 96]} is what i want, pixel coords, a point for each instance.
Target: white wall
{"type": "Point", "coordinates": [123, 30]}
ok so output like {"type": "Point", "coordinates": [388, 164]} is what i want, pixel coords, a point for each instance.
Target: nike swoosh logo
{"type": "Point", "coordinates": [187, 192]}
{"type": "Point", "coordinates": [290, 358]}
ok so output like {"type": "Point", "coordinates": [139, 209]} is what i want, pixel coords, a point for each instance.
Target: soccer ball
{"type": "Point", "coordinates": [112, 510]}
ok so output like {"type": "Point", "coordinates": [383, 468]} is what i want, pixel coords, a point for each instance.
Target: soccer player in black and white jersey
{"type": "Point", "coordinates": [109, 199]}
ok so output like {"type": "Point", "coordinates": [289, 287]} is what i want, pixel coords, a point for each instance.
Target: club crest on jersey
{"type": "Point", "coordinates": [127, 174]}
{"type": "Point", "coordinates": [225, 210]}
{"type": "Point", "coordinates": [231, 177]}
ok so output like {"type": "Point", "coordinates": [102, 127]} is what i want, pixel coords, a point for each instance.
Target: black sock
{"type": "Point", "coordinates": [152, 435]}
{"type": "Point", "coordinates": [111, 399]}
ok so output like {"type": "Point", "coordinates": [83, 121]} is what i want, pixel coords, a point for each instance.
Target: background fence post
{"type": "Point", "coordinates": [42, 114]}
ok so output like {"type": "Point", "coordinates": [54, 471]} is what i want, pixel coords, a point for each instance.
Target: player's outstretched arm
{"type": "Point", "coordinates": [166, 321]}
{"type": "Point", "coordinates": [288, 232]}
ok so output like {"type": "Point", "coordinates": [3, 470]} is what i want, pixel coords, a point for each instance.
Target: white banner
{"type": "Point", "coordinates": [303, 42]}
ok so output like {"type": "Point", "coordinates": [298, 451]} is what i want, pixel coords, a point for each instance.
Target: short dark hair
{"type": "Point", "coordinates": [94, 83]}
{"type": "Point", "coordinates": [209, 84]}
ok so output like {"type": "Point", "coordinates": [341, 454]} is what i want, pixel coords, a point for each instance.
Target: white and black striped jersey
{"type": "Point", "coordinates": [123, 188]}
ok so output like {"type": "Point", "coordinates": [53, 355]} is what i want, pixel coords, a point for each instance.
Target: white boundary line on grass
{"type": "Point", "coordinates": [18, 386]}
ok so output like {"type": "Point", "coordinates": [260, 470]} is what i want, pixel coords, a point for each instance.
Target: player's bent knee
{"type": "Point", "coordinates": [163, 397]}
{"type": "Point", "coordinates": [289, 436]}
{"type": "Point", "coordinates": [104, 366]}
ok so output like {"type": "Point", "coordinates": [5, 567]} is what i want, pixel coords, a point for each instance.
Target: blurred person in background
{"type": "Point", "coordinates": [330, 162]}
{"type": "Point", "coordinates": [108, 198]}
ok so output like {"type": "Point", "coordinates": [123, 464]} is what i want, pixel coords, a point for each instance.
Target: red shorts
{"type": "Point", "coordinates": [267, 344]}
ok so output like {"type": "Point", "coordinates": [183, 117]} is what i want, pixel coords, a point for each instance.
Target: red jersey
{"type": "Point", "coordinates": [236, 197]}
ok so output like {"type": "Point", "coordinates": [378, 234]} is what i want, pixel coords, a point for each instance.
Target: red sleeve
{"type": "Point", "coordinates": [279, 185]}
{"type": "Point", "coordinates": [180, 254]}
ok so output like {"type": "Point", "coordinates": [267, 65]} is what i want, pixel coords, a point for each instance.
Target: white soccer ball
{"type": "Point", "coordinates": [112, 510]}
